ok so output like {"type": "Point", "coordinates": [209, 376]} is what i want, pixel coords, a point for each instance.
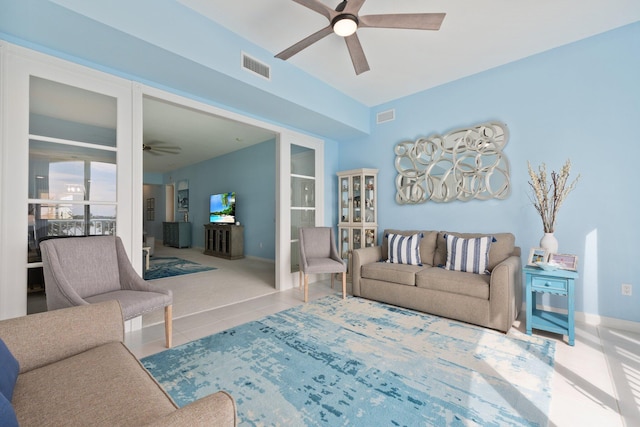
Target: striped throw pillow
{"type": "Point", "coordinates": [468, 255]}
{"type": "Point", "coordinates": [404, 249]}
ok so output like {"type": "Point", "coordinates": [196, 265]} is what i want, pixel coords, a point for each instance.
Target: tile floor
{"type": "Point", "coordinates": [596, 383]}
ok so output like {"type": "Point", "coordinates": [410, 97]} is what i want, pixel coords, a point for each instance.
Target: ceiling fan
{"type": "Point", "coordinates": [159, 148]}
{"type": "Point", "coordinates": [344, 21]}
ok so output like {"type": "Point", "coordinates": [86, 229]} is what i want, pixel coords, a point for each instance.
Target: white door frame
{"type": "Point", "coordinates": [284, 139]}
{"type": "Point", "coordinates": [18, 65]}
{"type": "Point", "coordinates": [285, 278]}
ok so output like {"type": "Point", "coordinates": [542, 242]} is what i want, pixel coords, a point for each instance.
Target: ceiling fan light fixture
{"type": "Point", "coordinates": [345, 24]}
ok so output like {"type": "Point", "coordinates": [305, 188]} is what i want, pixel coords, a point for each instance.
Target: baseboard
{"type": "Point", "coordinates": [608, 322]}
{"type": "Point", "coordinates": [256, 258]}
{"type": "Point", "coordinates": [595, 319]}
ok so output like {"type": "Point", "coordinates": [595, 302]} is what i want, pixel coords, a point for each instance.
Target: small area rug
{"type": "Point", "coordinates": [358, 362]}
{"type": "Point", "coordinates": [160, 267]}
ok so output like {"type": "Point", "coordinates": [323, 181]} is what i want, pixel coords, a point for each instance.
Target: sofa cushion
{"type": "Point", "coordinates": [468, 255]}
{"type": "Point", "coordinates": [84, 390]}
{"type": "Point", "coordinates": [404, 249]}
{"type": "Point", "coordinates": [427, 243]}
{"type": "Point", "coordinates": [456, 282]}
{"type": "Point", "coordinates": [7, 414]}
{"type": "Point", "coordinates": [402, 274]}
{"type": "Point", "coordinates": [9, 369]}
{"type": "Point", "coordinates": [501, 249]}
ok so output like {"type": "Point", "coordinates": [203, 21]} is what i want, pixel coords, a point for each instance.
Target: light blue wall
{"type": "Point", "coordinates": [578, 102]}
{"type": "Point", "coordinates": [152, 178]}
{"type": "Point", "coordinates": [165, 44]}
{"type": "Point", "coordinates": [251, 173]}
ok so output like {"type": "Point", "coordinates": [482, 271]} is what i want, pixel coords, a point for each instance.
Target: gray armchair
{"type": "Point", "coordinates": [87, 270]}
{"type": "Point", "coordinates": [318, 254]}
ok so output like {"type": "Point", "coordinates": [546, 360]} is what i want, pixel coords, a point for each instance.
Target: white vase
{"type": "Point", "coordinates": [550, 243]}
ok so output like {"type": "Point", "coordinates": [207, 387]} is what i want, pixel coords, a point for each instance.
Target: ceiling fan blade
{"type": "Point", "coordinates": [318, 6]}
{"type": "Point", "coordinates": [412, 21]}
{"type": "Point", "coordinates": [353, 6]}
{"type": "Point", "coordinates": [357, 54]}
{"type": "Point", "coordinates": [304, 43]}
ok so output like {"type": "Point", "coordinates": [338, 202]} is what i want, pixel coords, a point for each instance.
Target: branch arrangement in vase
{"type": "Point", "coordinates": [549, 196]}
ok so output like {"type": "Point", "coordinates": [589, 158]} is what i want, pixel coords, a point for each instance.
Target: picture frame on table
{"type": "Point", "coordinates": [537, 255]}
{"type": "Point", "coordinates": [565, 261]}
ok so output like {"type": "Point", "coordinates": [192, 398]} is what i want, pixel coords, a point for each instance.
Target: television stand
{"type": "Point", "coordinates": [224, 240]}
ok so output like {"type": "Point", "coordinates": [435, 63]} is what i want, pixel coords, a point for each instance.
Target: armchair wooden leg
{"type": "Point", "coordinates": [344, 285]}
{"type": "Point", "coordinates": [168, 325]}
{"type": "Point", "coordinates": [306, 287]}
{"type": "Point", "coordinates": [300, 280]}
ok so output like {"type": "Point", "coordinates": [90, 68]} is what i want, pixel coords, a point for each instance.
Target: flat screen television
{"type": "Point", "coordinates": [222, 208]}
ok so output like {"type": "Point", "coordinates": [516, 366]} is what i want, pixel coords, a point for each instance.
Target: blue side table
{"type": "Point", "coordinates": [557, 282]}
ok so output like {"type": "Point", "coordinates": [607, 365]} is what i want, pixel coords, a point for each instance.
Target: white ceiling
{"type": "Point", "coordinates": [476, 35]}
{"type": "Point", "coordinates": [200, 136]}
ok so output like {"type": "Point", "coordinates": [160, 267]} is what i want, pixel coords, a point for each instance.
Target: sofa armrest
{"type": "Point", "coordinates": [218, 409]}
{"type": "Point", "coordinates": [505, 293]}
{"type": "Point", "coordinates": [360, 257]}
{"type": "Point", "coordinates": [43, 338]}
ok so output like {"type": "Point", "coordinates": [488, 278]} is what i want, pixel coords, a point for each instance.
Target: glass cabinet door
{"type": "Point", "coordinates": [369, 200]}
{"type": "Point", "coordinates": [370, 237]}
{"type": "Point", "coordinates": [343, 244]}
{"type": "Point", "coordinates": [357, 184]}
{"type": "Point", "coordinates": [357, 238]}
{"type": "Point", "coordinates": [344, 200]}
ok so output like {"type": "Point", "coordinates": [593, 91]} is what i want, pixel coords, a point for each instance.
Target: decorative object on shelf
{"type": "Point", "coordinates": [464, 164]}
{"type": "Point", "coordinates": [549, 242]}
{"type": "Point", "coordinates": [537, 255]}
{"type": "Point", "coordinates": [548, 197]}
{"type": "Point", "coordinates": [564, 261]}
{"type": "Point", "coordinates": [370, 237]}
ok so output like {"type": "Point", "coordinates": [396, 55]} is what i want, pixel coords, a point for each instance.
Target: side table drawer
{"type": "Point", "coordinates": [549, 284]}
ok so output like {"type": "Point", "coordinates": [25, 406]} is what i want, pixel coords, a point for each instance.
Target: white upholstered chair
{"type": "Point", "coordinates": [319, 254]}
{"type": "Point", "coordinates": [86, 270]}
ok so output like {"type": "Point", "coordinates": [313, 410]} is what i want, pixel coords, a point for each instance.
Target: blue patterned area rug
{"type": "Point", "coordinates": [357, 362]}
{"type": "Point", "coordinates": [160, 267]}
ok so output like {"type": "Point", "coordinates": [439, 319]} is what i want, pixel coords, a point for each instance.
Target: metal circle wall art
{"type": "Point", "coordinates": [464, 164]}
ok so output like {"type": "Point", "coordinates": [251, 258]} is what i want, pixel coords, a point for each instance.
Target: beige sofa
{"type": "Point", "coordinates": [76, 371]}
{"type": "Point", "coordinates": [490, 300]}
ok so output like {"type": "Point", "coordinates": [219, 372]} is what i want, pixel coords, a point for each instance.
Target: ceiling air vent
{"type": "Point", "coordinates": [254, 66]}
{"type": "Point", "coordinates": [385, 116]}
